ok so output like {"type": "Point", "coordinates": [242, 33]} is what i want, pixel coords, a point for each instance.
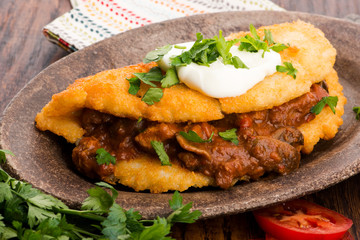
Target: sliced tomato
{"type": "Point", "coordinates": [347, 236]}
{"type": "Point", "coordinates": [302, 220]}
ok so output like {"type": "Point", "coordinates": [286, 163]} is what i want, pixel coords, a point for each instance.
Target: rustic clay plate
{"type": "Point", "coordinates": [44, 159]}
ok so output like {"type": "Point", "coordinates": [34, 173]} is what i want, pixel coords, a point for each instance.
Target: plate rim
{"type": "Point", "coordinates": [215, 211]}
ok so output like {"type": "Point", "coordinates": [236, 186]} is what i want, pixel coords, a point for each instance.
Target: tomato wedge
{"type": "Point", "coordinates": [302, 220]}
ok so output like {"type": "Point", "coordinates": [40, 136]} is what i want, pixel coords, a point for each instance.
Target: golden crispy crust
{"type": "Point", "coordinates": [147, 173]}
{"type": "Point", "coordinates": [310, 53]}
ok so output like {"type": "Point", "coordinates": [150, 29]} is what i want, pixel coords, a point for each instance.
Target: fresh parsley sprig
{"type": "Point", "coordinates": [331, 101]}
{"type": "Point", "coordinates": [357, 112]}
{"type": "Point", "coordinates": [27, 213]}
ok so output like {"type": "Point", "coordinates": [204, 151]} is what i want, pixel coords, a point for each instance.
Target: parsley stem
{"type": "Point", "coordinates": [79, 230]}
{"type": "Point", "coordinates": [86, 214]}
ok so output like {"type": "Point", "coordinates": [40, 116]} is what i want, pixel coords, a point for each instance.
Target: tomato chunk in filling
{"type": "Point", "coordinates": [268, 141]}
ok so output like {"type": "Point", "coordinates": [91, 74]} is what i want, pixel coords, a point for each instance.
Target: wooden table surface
{"type": "Point", "coordinates": [25, 52]}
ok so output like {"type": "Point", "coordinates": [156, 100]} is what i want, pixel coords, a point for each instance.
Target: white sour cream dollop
{"type": "Point", "coordinates": [220, 80]}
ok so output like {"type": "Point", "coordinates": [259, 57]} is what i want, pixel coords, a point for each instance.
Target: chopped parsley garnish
{"type": "Point", "coordinates": [170, 78]}
{"type": "Point", "coordinates": [194, 137]}
{"type": "Point", "coordinates": [160, 151]}
{"type": "Point", "coordinates": [157, 54]}
{"type": "Point", "coordinates": [236, 61]}
{"type": "Point", "coordinates": [278, 47]}
{"type": "Point", "coordinates": [103, 157]}
{"type": "Point", "coordinates": [254, 43]}
{"type": "Point", "coordinates": [134, 85]}
{"type": "Point", "coordinates": [206, 51]}
{"type": "Point", "coordinates": [331, 101]}
{"type": "Point", "coordinates": [357, 112]}
{"type": "Point", "coordinates": [230, 135]}
{"type": "Point", "coordinates": [268, 37]}
{"type": "Point", "coordinates": [203, 52]}
{"type": "Point", "coordinates": [154, 75]}
{"type": "Point", "coordinates": [288, 68]}
{"type": "Point", "coordinates": [152, 96]}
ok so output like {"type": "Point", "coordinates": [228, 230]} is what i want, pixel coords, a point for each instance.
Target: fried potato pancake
{"type": "Point", "coordinates": [146, 173]}
{"type": "Point", "coordinates": [309, 52]}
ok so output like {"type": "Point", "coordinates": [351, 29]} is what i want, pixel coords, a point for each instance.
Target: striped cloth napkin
{"type": "Point", "coordinates": [91, 21]}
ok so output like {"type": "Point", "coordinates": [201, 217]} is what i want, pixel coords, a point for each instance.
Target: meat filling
{"type": "Point", "coordinates": [268, 141]}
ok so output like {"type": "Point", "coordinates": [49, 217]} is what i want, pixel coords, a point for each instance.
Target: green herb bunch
{"type": "Point", "coordinates": [28, 213]}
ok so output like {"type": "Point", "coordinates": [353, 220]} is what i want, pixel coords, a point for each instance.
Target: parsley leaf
{"type": "Point", "coordinates": [223, 47]}
{"type": "Point", "coordinates": [278, 47]}
{"type": "Point", "coordinates": [6, 232]}
{"type": "Point", "coordinates": [157, 54]}
{"type": "Point", "coordinates": [134, 85]}
{"type": "Point", "coordinates": [288, 69]}
{"type": "Point", "coordinates": [236, 61]}
{"type": "Point", "coordinates": [331, 101]}
{"type": "Point", "coordinates": [98, 200]}
{"type": "Point", "coordinates": [203, 52]}
{"type": "Point", "coordinates": [158, 231]}
{"type": "Point", "coordinates": [115, 224]}
{"type": "Point", "coordinates": [132, 221]}
{"type": "Point", "coordinates": [268, 37]}
{"type": "Point", "coordinates": [251, 44]}
{"type": "Point", "coordinates": [160, 151]}
{"type": "Point", "coordinates": [103, 157]}
{"type": "Point", "coordinates": [36, 215]}
{"type": "Point", "coordinates": [170, 78]}
{"type": "Point", "coordinates": [194, 137]}
{"type": "Point", "coordinates": [3, 152]}
{"type": "Point", "coordinates": [254, 43]}
{"type": "Point", "coordinates": [253, 32]}
{"type": "Point", "coordinates": [154, 75]}
{"type": "Point", "coordinates": [114, 192]}
{"type": "Point", "coordinates": [152, 95]}
{"type": "Point", "coordinates": [182, 212]}
{"type": "Point", "coordinates": [5, 192]}
{"type": "Point", "coordinates": [45, 201]}
{"type": "Point", "coordinates": [230, 135]}
{"type": "Point", "coordinates": [357, 111]}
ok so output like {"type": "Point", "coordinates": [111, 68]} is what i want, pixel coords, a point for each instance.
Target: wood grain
{"type": "Point", "coordinates": [25, 52]}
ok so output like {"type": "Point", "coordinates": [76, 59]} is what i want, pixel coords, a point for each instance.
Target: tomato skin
{"type": "Point", "coordinates": [347, 236]}
{"type": "Point", "coordinates": [323, 224]}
